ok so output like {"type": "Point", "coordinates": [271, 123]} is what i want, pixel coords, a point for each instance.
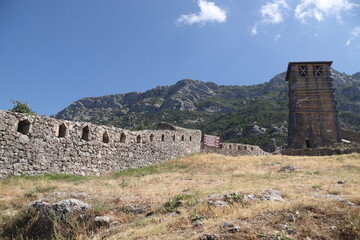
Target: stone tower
{"type": "Point", "coordinates": [313, 117]}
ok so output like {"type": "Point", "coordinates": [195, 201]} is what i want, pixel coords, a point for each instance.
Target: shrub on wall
{"type": "Point", "coordinates": [21, 107]}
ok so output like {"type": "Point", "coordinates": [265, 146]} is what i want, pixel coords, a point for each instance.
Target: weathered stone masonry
{"type": "Point", "coordinates": [313, 119]}
{"type": "Point", "coordinates": [36, 145]}
{"type": "Point", "coordinates": [236, 149]}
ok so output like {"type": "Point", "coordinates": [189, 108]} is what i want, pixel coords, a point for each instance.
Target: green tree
{"type": "Point", "coordinates": [21, 107]}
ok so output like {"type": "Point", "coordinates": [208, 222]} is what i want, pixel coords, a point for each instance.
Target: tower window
{"type": "Point", "coordinates": [85, 133]}
{"type": "Point", "coordinates": [318, 71]}
{"type": "Point", "coordinates": [62, 131]}
{"type": "Point", "coordinates": [122, 138]}
{"type": "Point", "coordinates": [106, 138]}
{"type": "Point", "coordinates": [303, 71]}
{"type": "Point", "coordinates": [24, 127]}
{"type": "Point", "coordinates": [174, 138]}
{"type": "Point", "coordinates": [162, 137]}
{"type": "Point", "coordinates": [138, 139]}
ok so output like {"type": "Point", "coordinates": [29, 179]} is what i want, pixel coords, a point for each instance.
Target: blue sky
{"type": "Point", "coordinates": [55, 52]}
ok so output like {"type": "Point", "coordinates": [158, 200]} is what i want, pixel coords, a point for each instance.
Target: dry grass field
{"type": "Point", "coordinates": [321, 200]}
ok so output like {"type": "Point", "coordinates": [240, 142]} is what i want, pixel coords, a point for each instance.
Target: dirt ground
{"type": "Point", "coordinates": [203, 196]}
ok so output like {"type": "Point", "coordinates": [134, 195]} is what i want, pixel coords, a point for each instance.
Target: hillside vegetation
{"type": "Point", "coordinates": [204, 196]}
{"type": "Point", "coordinates": [256, 114]}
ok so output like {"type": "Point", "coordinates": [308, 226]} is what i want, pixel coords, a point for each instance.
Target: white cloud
{"type": "Point", "coordinates": [273, 12]}
{"type": "Point", "coordinates": [355, 33]}
{"type": "Point", "coordinates": [319, 9]}
{"type": "Point", "coordinates": [254, 30]}
{"type": "Point", "coordinates": [277, 37]}
{"type": "Point", "coordinates": [209, 12]}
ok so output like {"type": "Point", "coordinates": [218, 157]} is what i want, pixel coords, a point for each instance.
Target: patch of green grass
{"type": "Point", "coordinates": [234, 198]}
{"type": "Point", "coordinates": [319, 187]}
{"type": "Point", "coordinates": [137, 172]}
{"type": "Point", "coordinates": [32, 193]}
{"type": "Point", "coordinates": [175, 202]}
{"type": "Point", "coordinates": [181, 166]}
{"type": "Point", "coordinates": [65, 177]}
{"type": "Point", "coordinates": [5, 218]}
{"type": "Point", "coordinates": [170, 167]}
{"type": "Point", "coordinates": [101, 207]}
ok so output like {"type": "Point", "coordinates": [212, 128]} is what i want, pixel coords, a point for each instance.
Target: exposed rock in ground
{"type": "Point", "coordinates": [103, 220]}
{"type": "Point", "coordinates": [209, 236]}
{"type": "Point", "coordinates": [288, 168]}
{"type": "Point", "coordinates": [58, 194]}
{"type": "Point", "coordinates": [68, 206]}
{"type": "Point", "coordinates": [39, 204]}
{"type": "Point", "coordinates": [79, 195]}
{"type": "Point", "coordinates": [217, 203]}
{"type": "Point", "coordinates": [230, 227]}
{"type": "Point", "coordinates": [198, 224]}
{"type": "Point", "coordinates": [133, 208]}
{"type": "Point", "coordinates": [335, 197]}
{"type": "Point", "coordinates": [41, 219]}
{"type": "Point", "coordinates": [272, 195]}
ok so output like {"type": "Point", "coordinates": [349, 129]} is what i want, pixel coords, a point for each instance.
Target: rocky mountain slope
{"type": "Point", "coordinates": [255, 114]}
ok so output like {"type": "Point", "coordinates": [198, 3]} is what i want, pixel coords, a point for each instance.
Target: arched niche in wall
{"type": "Point", "coordinates": [174, 137]}
{"type": "Point", "coordinates": [151, 137]}
{"type": "Point", "coordinates": [24, 127]}
{"type": "Point", "coordinates": [190, 138]}
{"type": "Point", "coordinates": [239, 148]}
{"type": "Point", "coordinates": [182, 138]}
{"type": "Point", "coordinates": [122, 138]}
{"type": "Point", "coordinates": [230, 146]}
{"type": "Point", "coordinates": [62, 131]}
{"type": "Point", "coordinates": [85, 133]}
{"type": "Point", "coordinates": [138, 139]}
{"type": "Point", "coordinates": [162, 137]}
{"type": "Point", "coordinates": [106, 138]}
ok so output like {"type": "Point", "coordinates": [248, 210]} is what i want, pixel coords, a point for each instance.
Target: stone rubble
{"type": "Point", "coordinates": [272, 195]}
{"type": "Point", "coordinates": [209, 236]}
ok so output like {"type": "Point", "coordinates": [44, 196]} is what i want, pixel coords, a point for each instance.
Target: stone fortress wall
{"type": "Point", "coordinates": [236, 149]}
{"type": "Point", "coordinates": [32, 144]}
